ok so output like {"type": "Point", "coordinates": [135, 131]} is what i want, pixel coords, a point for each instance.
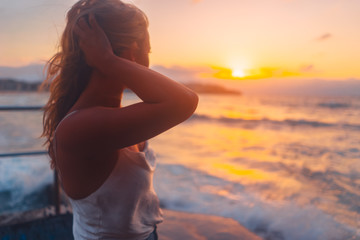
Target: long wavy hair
{"type": "Point", "coordinates": [67, 73]}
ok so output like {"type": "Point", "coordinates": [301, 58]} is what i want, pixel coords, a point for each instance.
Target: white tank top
{"type": "Point", "coordinates": [125, 206]}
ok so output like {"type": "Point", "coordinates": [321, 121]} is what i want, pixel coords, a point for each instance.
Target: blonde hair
{"type": "Point", "coordinates": [67, 72]}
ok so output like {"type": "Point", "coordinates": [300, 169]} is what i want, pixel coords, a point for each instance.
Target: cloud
{"type": "Point", "coordinates": [307, 68]}
{"type": "Point", "coordinates": [324, 37]}
{"type": "Point", "coordinates": [182, 74]}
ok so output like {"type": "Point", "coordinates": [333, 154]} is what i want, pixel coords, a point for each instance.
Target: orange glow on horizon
{"type": "Point", "coordinates": [252, 74]}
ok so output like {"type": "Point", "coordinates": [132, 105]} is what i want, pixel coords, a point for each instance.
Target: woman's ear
{"type": "Point", "coordinates": [134, 48]}
{"type": "Point", "coordinates": [131, 52]}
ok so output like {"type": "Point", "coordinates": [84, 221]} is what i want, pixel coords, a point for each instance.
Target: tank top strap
{"type": "Point", "coordinates": [54, 139]}
{"type": "Point", "coordinates": [68, 115]}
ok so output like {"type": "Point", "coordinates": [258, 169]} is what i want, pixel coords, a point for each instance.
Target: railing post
{"type": "Point", "coordinates": [56, 193]}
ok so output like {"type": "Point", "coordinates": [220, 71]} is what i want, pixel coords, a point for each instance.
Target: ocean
{"type": "Point", "coordinates": [287, 168]}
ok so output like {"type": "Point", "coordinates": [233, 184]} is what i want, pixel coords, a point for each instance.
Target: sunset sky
{"type": "Point", "coordinates": [229, 40]}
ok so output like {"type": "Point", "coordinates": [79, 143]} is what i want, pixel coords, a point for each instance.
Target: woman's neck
{"type": "Point", "coordinates": [95, 97]}
{"type": "Point", "coordinates": [106, 101]}
{"type": "Point", "coordinates": [100, 92]}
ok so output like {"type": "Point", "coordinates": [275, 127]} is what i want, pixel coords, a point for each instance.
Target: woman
{"type": "Point", "coordinates": [98, 147]}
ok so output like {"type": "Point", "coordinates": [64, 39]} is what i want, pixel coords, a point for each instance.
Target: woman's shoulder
{"type": "Point", "coordinates": [91, 128]}
{"type": "Point", "coordinates": [78, 118]}
{"type": "Point", "coordinates": [67, 131]}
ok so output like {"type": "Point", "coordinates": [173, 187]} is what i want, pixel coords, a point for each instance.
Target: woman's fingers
{"type": "Point", "coordinates": [84, 28]}
{"type": "Point", "coordinates": [93, 22]}
{"type": "Point", "coordinates": [78, 31]}
{"type": "Point", "coordinates": [92, 41]}
{"type": "Point", "coordinates": [81, 28]}
{"type": "Point", "coordinates": [83, 24]}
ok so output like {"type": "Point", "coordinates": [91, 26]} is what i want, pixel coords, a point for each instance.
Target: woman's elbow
{"type": "Point", "coordinates": [189, 104]}
{"type": "Point", "coordinates": [194, 102]}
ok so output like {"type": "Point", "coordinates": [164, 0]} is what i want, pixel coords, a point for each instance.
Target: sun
{"type": "Point", "coordinates": [238, 73]}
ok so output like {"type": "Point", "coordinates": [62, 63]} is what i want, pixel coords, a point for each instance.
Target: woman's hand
{"type": "Point", "coordinates": [93, 42]}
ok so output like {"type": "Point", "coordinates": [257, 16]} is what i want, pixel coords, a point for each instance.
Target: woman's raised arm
{"type": "Point", "coordinates": [166, 103]}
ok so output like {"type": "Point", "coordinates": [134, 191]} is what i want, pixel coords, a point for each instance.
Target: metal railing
{"type": "Point", "coordinates": [56, 194]}
{"type": "Point", "coordinates": [21, 108]}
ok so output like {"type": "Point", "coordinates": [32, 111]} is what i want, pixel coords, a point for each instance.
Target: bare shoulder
{"type": "Point", "coordinates": [95, 128]}
{"type": "Point", "coordinates": [73, 127]}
